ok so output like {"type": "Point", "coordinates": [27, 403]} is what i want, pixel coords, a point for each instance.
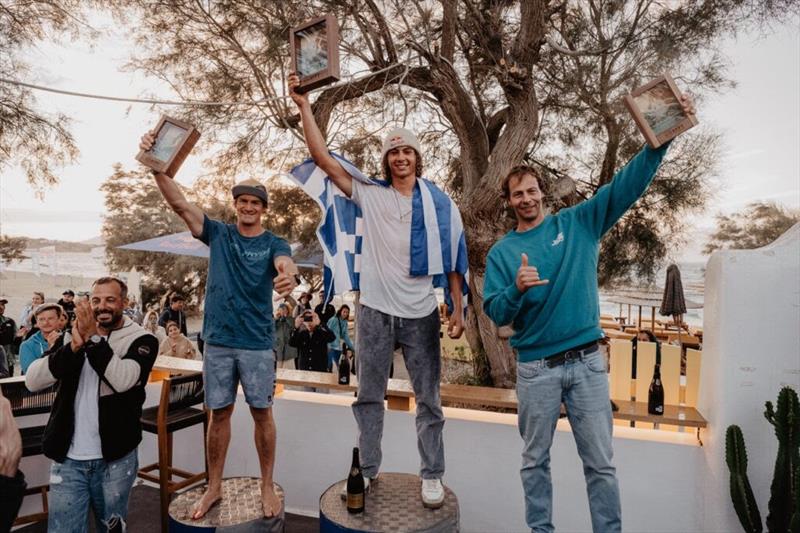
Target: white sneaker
{"type": "Point", "coordinates": [432, 493]}
{"type": "Point", "coordinates": [343, 492]}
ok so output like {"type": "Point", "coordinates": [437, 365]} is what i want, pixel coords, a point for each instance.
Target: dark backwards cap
{"type": "Point", "coordinates": [252, 187]}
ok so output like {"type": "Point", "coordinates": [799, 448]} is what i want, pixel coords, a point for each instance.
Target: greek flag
{"type": "Point", "coordinates": [437, 233]}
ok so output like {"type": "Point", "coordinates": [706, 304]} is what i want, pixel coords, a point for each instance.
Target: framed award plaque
{"type": "Point", "coordinates": [315, 52]}
{"type": "Point", "coordinates": [657, 111]}
{"type": "Point", "coordinates": [174, 140]}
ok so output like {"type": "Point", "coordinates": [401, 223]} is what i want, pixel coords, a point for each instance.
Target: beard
{"type": "Point", "coordinates": [116, 317]}
{"type": "Point", "coordinates": [531, 215]}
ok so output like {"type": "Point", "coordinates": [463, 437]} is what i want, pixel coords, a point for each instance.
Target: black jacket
{"type": "Point", "coordinates": [8, 330]}
{"type": "Point", "coordinates": [123, 364]}
{"type": "Point", "coordinates": [325, 314]}
{"type": "Point", "coordinates": [12, 490]}
{"type": "Point", "coordinates": [312, 348]}
{"type": "Point", "coordinates": [176, 316]}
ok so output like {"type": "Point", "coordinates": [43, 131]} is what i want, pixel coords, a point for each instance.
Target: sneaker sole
{"type": "Point", "coordinates": [433, 505]}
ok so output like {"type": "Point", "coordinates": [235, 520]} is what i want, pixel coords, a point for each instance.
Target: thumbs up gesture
{"type": "Point", "coordinates": [528, 276]}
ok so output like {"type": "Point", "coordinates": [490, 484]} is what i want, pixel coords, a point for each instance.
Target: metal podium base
{"type": "Point", "coordinates": [239, 511]}
{"type": "Point", "coordinates": [393, 504]}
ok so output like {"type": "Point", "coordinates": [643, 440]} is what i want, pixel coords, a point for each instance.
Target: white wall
{"type": "Point", "coordinates": [751, 350]}
{"type": "Point", "coordinates": [316, 434]}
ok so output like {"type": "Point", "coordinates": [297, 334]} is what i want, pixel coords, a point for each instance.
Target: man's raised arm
{"type": "Point", "coordinates": [316, 142]}
{"type": "Point", "coordinates": [190, 213]}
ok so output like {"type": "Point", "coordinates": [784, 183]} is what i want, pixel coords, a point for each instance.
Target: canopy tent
{"type": "Point", "coordinates": [177, 243]}
{"type": "Point", "coordinates": [184, 244]}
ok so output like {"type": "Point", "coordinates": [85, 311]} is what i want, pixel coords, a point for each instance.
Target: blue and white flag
{"type": "Point", "coordinates": [437, 242]}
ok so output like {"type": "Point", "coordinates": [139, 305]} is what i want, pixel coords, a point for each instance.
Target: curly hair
{"type": "Point", "coordinates": [387, 171]}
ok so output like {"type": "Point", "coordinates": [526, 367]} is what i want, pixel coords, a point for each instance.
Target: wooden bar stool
{"type": "Point", "coordinates": [25, 403]}
{"type": "Point", "coordinates": [174, 412]}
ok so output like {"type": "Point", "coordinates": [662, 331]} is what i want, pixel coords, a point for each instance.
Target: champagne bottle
{"type": "Point", "coordinates": [355, 486]}
{"type": "Point", "coordinates": [344, 368]}
{"type": "Point", "coordinates": [655, 397]}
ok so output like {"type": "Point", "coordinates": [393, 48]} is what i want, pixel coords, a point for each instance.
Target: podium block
{"type": "Point", "coordinates": [393, 503]}
{"type": "Point", "coordinates": [239, 511]}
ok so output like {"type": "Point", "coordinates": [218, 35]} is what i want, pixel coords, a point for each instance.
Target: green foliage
{"type": "Point", "coordinates": [12, 248]}
{"type": "Point", "coordinates": [758, 225]}
{"type": "Point", "coordinates": [36, 141]}
{"type": "Point", "coordinates": [785, 419]}
{"type": "Point", "coordinates": [744, 502]}
{"type": "Point", "coordinates": [137, 211]}
{"type": "Point", "coordinates": [487, 84]}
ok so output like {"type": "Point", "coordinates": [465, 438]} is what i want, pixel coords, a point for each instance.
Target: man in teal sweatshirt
{"type": "Point", "coordinates": [541, 278]}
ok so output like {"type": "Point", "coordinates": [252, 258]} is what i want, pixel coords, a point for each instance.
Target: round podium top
{"type": "Point", "coordinates": [393, 503]}
{"type": "Point", "coordinates": [241, 503]}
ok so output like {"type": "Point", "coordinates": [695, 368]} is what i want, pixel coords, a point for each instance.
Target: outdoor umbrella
{"type": "Point", "coordinates": [177, 243]}
{"type": "Point", "coordinates": [673, 302]}
{"type": "Point", "coordinates": [184, 244]}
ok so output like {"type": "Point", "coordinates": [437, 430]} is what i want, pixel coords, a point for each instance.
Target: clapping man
{"type": "Point", "coordinates": [94, 428]}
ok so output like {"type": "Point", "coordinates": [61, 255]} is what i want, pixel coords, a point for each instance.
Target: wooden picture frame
{"type": "Point", "coordinates": [315, 52]}
{"type": "Point", "coordinates": [657, 111]}
{"type": "Point", "coordinates": [174, 140]}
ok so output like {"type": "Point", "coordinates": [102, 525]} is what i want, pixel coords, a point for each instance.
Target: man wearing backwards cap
{"type": "Point", "coordinates": [396, 307]}
{"type": "Point", "coordinates": [244, 262]}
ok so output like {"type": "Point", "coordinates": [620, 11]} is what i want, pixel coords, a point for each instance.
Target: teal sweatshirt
{"type": "Point", "coordinates": [565, 313]}
{"type": "Point", "coordinates": [31, 350]}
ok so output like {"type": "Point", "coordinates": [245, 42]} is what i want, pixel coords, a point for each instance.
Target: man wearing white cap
{"type": "Point", "coordinates": [245, 262]}
{"type": "Point", "coordinates": [396, 307]}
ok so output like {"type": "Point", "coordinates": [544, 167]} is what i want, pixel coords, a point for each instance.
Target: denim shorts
{"type": "Point", "coordinates": [225, 368]}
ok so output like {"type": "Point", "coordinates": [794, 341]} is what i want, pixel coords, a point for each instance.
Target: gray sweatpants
{"type": "Point", "coordinates": [419, 338]}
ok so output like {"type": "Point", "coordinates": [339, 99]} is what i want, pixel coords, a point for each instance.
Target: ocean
{"type": "Point", "coordinates": [48, 261]}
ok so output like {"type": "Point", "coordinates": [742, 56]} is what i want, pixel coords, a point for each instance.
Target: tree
{"type": "Point", "coordinates": [137, 211]}
{"type": "Point", "coordinates": [37, 141]}
{"type": "Point", "coordinates": [12, 249]}
{"type": "Point", "coordinates": [490, 83]}
{"type": "Point", "coordinates": [758, 225]}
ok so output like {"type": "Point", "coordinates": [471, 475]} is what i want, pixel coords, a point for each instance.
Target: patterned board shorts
{"type": "Point", "coordinates": [225, 368]}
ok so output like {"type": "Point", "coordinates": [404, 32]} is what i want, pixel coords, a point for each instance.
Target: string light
{"type": "Point", "coordinates": [186, 102]}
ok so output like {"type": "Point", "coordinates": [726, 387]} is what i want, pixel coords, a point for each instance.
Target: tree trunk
{"type": "Point", "coordinates": [502, 359]}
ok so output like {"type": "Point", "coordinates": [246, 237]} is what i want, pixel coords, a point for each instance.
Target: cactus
{"type": "Point", "coordinates": [783, 500]}
{"type": "Point", "coordinates": [744, 503]}
{"type": "Point", "coordinates": [794, 527]}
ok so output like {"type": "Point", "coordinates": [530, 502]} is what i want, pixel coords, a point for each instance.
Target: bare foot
{"type": "Point", "coordinates": [270, 501]}
{"type": "Point", "coordinates": [209, 499]}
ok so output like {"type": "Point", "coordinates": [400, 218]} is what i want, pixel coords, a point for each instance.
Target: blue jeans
{"type": "Point", "coordinates": [225, 368]}
{"type": "Point", "coordinates": [419, 337]}
{"type": "Point", "coordinates": [75, 485]}
{"type": "Point", "coordinates": [582, 384]}
{"type": "Point", "coordinates": [333, 358]}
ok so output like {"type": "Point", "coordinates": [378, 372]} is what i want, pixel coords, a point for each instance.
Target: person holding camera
{"type": "Point", "coordinates": [311, 339]}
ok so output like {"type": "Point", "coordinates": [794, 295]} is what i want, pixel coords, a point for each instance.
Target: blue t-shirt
{"type": "Point", "coordinates": [238, 304]}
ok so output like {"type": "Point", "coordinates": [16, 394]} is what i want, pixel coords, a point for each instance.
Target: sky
{"type": "Point", "coordinates": [759, 120]}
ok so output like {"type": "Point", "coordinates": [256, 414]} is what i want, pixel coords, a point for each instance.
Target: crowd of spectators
{"type": "Point", "coordinates": [313, 339]}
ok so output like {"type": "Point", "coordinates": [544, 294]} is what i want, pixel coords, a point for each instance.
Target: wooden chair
{"type": "Point", "coordinates": [174, 412]}
{"type": "Point", "coordinates": [26, 403]}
